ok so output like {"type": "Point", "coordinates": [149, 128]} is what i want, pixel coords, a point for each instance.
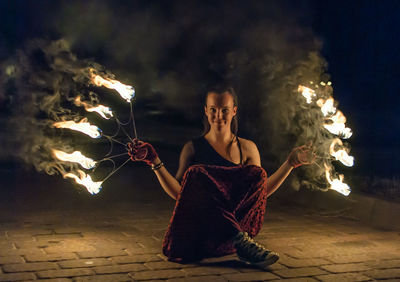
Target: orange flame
{"type": "Point", "coordinates": [308, 93]}
{"type": "Point", "coordinates": [337, 184]}
{"type": "Point", "coordinates": [338, 126]}
{"type": "Point", "coordinates": [85, 180]}
{"type": "Point", "coordinates": [82, 126]}
{"type": "Point", "coordinates": [127, 92]}
{"type": "Point", "coordinates": [75, 157]}
{"type": "Point", "coordinates": [103, 111]}
{"type": "Point", "coordinates": [341, 155]}
{"type": "Point", "coordinates": [327, 106]}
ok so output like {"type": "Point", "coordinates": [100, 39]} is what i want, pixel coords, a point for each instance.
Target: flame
{"type": "Point", "coordinates": [341, 155]}
{"type": "Point", "coordinates": [337, 184]}
{"type": "Point", "coordinates": [326, 106]}
{"type": "Point", "coordinates": [82, 126]}
{"type": "Point", "coordinates": [75, 157]}
{"type": "Point", "coordinates": [338, 126]}
{"type": "Point", "coordinates": [85, 180]}
{"type": "Point", "coordinates": [127, 92]}
{"type": "Point", "coordinates": [104, 111]}
{"type": "Point", "coordinates": [308, 93]}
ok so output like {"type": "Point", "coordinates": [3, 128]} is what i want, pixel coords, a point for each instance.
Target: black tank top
{"type": "Point", "coordinates": [204, 153]}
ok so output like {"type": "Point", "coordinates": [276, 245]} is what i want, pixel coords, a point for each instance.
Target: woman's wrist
{"type": "Point", "coordinates": [289, 164]}
{"type": "Point", "coordinates": [156, 164]}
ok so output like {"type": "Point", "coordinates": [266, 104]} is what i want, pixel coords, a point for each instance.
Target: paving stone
{"type": "Point", "coordinates": [57, 280]}
{"type": "Point", "coordinates": [255, 276]}
{"type": "Point", "coordinates": [70, 246]}
{"type": "Point", "coordinates": [299, 272]}
{"type": "Point", "coordinates": [210, 278]}
{"type": "Point", "coordinates": [84, 263]}
{"type": "Point", "coordinates": [351, 267]}
{"type": "Point", "coordinates": [24, 252]}
{"type": "Point", "coordinates": [32, 266]}
{"type": "Point", "coordinates": [157, 274]}
{"type": "Point", "coordinates": [11, 259]}
{"type": "Point", "coordinates": [304, 279]}
{"type": "Point", "coordinates": [49, 257]}
{"type": "Point", "coordinates": [104, 278]}
{"type": "Point", "coordinates": [379, 264]}
{"type": "Point", "coordinates": [343, 277]}
{"type": "Point", "coordinates": [17, 277]}
{"type": "Point", "coordinates": [64, 273]}
{"type": "Point", "coordinates": [102, 253]}
{"type": "Point", "coordinates": [120, 268]}
{"type": "Point", "coordinates": [207, 270]}
{"type": "Point", "coordinates": [133, 259]}
{"type": "Point", "coordinates": [156, 265]}
{"type": "Point", "coordinates": [290, 262]}
{"type": "Point", "coordinates": [57, 237]}
{"type": "Point", "coordinates": [384, 274]}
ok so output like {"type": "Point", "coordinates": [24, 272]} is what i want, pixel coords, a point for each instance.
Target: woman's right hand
{"type": "Point", "coordinates": [302, 155]}
{"type": "Point", "coordinates": [142, 151]}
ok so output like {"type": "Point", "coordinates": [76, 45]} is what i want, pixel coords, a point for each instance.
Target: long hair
{"type": "Point", "coordinates": [220, 89]}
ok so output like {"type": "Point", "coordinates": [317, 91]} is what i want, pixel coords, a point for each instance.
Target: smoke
{"type": "Point", "coordinates": [48, 85]}
{"type": "Point", "coordinates": [172, 50]}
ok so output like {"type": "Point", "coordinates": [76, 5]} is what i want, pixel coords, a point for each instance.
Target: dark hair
{"type": "Point", "coordinates": [220, 89]}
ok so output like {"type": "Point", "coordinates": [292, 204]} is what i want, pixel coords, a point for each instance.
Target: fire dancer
{"type": "Point", "coordinates": [220, 187]}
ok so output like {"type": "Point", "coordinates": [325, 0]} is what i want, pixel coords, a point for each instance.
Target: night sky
{"type": "Point", "coordinates": [360, 42]}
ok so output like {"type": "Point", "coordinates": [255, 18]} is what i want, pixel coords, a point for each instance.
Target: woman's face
{"type": "Point", "coordinates": [220, 110]}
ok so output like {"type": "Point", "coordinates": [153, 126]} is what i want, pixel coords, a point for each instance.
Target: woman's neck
{"type": "Point", "coordinates": [219, 136]}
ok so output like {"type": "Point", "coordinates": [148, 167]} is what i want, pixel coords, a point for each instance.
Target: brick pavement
{"type": "Point", "coordinates": [124, 244]}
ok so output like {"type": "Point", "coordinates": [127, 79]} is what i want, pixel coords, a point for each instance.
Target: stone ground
{"type": "Point", "coordinates": [125, 245]}
{"type": "Point", "coordinates": [53, 232]}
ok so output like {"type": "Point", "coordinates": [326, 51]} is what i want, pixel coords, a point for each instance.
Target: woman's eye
{"type": "Point", "coordinates": [212, 110]}
{"type": "Point", "coordinates": [225, 111]}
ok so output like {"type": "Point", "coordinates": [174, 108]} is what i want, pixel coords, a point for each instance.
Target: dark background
{"type": "Point", "coordinates": [358, 39]}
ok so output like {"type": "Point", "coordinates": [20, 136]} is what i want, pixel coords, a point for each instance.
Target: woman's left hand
{"type": "Point", "coordinates": [302, 155]}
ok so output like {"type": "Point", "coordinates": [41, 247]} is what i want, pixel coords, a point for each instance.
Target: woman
{"type": "Point", "coordinates": [222, 177]}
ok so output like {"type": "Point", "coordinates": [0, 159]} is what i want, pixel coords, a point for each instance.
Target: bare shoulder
{"type": "Point", "coordinates": [251, 154]}
{"type": "Point", "coordinates": [185, 159]}
{"type": "Point", "coordinates": [247, 144]}
{"type": "Point", "coordinates": [188, 149]}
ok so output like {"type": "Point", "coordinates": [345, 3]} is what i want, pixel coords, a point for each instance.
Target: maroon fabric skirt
{"type": "Point", "coordinates": [214, 204]}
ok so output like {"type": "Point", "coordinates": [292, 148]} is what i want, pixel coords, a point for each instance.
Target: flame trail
{"type": "Point", "coordinates": [127, 92]}
{"type": "Point", "coordinates": [340, 155]}
{"type": "Point", "coordinates": [308, 93]}
{"type": "Point", "coordinates": [85, 180]}
{"type": "Point", "coordinates": [83, 126]}
{"type": "Point", "coordinates": [103, 111]}
{"type": "Point", "coordinates": [338, 126]}
{"type": "Point", "coordinates": [335, 123]}
{"type": "Point", "coordinates": [337, 184]}
{"type": "Point", "coordinates": [75, 157]}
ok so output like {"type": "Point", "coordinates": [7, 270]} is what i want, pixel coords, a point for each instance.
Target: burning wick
{"type": "Point", "coordinates": [75, 157]}
{"type": "Point", "coordinates": [82, 126]}
{"type": "Point", "coordinates": [337, 184]}
{"type": "Point", "coordinates": [103, 111]}
{"type": "Point", "coordinates": [127, 92]}
{"type": "Point", "coordinates": [308, 93]}
{"type": "Point", "coordinates": [85, 180]}
{"type": "Point", "coordinates": [340, 155]}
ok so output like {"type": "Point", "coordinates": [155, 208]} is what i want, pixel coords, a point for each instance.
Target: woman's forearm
{"type": "Point", "coordinates": [169, 183]}
{"type": "Point", "coordinates": [277, 178]}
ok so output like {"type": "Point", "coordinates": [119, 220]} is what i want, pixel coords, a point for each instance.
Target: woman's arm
{"type": "Point", "coordinates": [276, 179]}
{"type": "Point", "coordinates": [298, 156]}
{"type": "Point", "coordinates": [169, 183]}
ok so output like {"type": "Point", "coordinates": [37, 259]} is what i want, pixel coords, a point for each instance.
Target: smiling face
{"type": "Point", "coordinates": [220, 110]}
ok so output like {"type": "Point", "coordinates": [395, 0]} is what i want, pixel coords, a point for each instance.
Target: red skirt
{"type": "Point", "coordinates": [215, 203]}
